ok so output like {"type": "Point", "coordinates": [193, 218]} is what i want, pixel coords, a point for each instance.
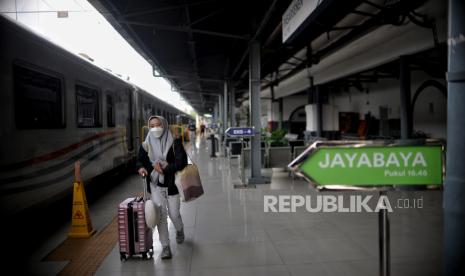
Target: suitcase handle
{"type": "Point", "coordinates": [144, 187]}
{"type": "Point", "coordinates": [135, 226]}
{"type": "Point", "coordinates": [130, 217]}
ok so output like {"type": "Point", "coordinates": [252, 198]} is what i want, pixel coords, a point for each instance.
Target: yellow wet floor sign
{"type": "Point", "coordinates": [81, 226]}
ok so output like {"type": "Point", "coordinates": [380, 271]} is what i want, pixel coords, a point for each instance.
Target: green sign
{"type": "Point", "coordinates": [372, 166]}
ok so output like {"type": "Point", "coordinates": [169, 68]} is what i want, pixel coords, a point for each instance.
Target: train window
{"type": "Point", "coordinates": [38, 99]}
{"type": "Point", "coordinates": [110, 111]}
{"type": "Point", "coordinates": [88, 106]}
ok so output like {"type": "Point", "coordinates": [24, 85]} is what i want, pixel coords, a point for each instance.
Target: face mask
{"type": "Point", "coordinates": [156, 132]}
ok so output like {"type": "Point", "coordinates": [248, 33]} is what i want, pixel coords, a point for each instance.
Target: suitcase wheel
{"type": "Point", "coordinates": [147, 255]}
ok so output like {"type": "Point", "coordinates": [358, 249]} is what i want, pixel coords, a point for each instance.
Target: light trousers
{"type": "Point", "coordinates": [170, 205]}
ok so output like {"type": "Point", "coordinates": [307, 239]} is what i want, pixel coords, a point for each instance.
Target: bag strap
{"type": "Point", "coordinates": [188, 156]}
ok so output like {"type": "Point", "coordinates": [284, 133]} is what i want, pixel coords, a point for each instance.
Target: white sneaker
{"type": "Point", "coordinates": [166, 252]}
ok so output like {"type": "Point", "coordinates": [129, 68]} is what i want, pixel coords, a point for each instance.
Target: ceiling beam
{"type": "Point", "coordinates": [211, 93]}
{"type": "Point", "coordinates": [205, 17]}
{"type": "Point", "coordinates": [192, 51]}
{"type": "Point", "coordinates": [168, 8]}
{"type": "Point", "coordinates": [185, 77]}
{"type": "Point", "coordinates": [257, 33]}
{"type": "Point", "coordinates": [182, 29]}
{"type": "Point", "coordinates": [205, 103]}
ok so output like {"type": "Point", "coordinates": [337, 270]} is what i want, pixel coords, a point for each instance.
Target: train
{"type": "Point", "coordinates": [57, 108]}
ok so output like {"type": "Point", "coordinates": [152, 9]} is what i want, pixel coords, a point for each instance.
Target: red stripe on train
{"type": "Point", "coordinates": [55, 154]}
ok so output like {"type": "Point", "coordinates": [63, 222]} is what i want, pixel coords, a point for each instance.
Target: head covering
{"type": "Point", "coordinates": [157, 148]}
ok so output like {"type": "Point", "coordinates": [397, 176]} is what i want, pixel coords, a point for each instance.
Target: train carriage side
{"type": "Point", "coordinates": [55, 109]}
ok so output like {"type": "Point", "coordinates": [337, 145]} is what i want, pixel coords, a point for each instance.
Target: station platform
{"type": "Point", "coordinates": [228, 233]}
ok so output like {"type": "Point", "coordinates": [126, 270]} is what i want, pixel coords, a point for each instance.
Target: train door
{"type": "Point", "coordinates": [130, 122]}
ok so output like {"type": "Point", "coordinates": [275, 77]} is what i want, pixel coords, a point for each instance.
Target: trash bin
{"type": "Point", "coordinates": [214, 143]}
{"type": "Point", "coordinates": [236, 148]}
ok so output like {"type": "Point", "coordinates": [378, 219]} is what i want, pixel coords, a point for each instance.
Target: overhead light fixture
{"type": "Point", "coordinates": [207, 115]}
{"type": "Point", "coordinates": [62, 14]}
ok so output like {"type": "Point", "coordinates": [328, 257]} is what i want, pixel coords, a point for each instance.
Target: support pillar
{"type": "Point", "coordinates": [280, 119]}
{"type": "Point", "coordinates": [226, 110]}
{"type": "Point", "coordinates": [254, 96]}
{"type": "Point", "coordinates": [454, 187]}
{"type": "Point", "coordinates": [216, 111]}
{"type": "Point", "coordinates": [220, 111]}
{"type": "Point", "coordinates": [405, 99]}
{"type": "Point", "coordinates": [319, 111]}
{"type": "Point", "coordinates": [232, 101]}
{"type": "Point", "coordinates": [310, 91]}
{"type": "Point", "coordinates": [272, 119]}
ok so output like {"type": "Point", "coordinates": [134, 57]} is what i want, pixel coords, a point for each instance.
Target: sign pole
{"type": "Point", "coordinates": [241, 133]}
{"type": "Point", "coordinates": [384, 240]}
{"type": "Point", "coordinates": [242, 163]}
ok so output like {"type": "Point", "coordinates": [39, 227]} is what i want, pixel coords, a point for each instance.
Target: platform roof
{"type": "Point", "coordinates": [200, 44]}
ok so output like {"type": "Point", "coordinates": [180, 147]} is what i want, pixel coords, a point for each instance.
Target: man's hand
{"type": "Point", "coordinates": [143, 172]}
{"type": "Point", "coordinates": [158, 168]}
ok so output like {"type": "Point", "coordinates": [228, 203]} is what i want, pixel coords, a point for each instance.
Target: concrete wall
{"type": "Point", "coordinates": [270, 111]}
{"type": "Point", "coordinates": [291, 103]}
{"type": "Point", "coordinates": [429, 112]}
{"type": "Point", "coordinates": [330, 121]}
{"type": "Point", "coordinates": [379, 46]}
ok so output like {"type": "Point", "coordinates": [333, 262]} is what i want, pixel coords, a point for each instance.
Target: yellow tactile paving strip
{"type": "Point", "coordinates": [86, 255]}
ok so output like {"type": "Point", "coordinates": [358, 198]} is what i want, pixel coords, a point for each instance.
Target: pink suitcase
{"type": "Point", "coordinates": [134, 235]}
